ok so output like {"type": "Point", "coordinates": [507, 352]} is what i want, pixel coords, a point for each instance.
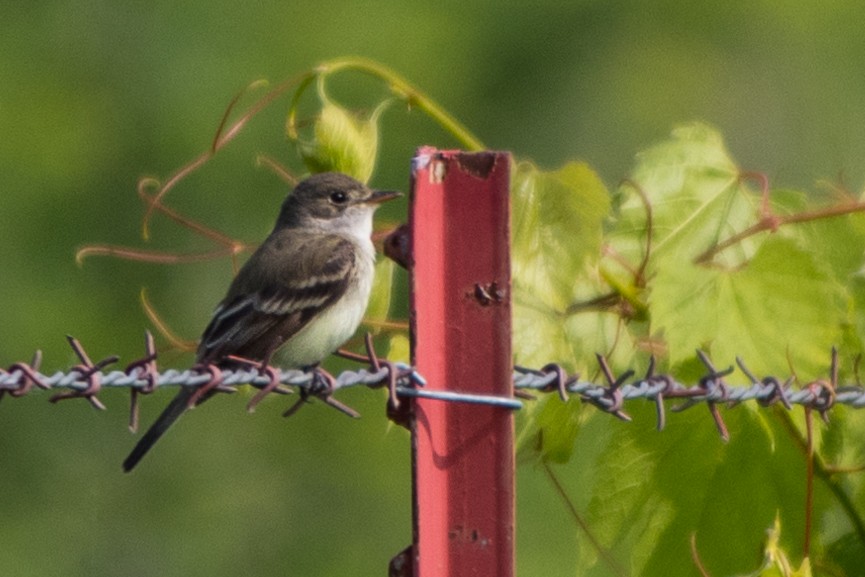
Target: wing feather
{"type": "Point", "coordinates": [272, 298]}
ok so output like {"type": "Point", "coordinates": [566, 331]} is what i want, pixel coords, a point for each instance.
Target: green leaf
{"type": "Point", "coordinates": [343, 142]}
{"type": "Point", "coordinates": [846, 554]}
{"type": "Point", "coordinates": [780, 303]}
{"type": "Point", "coordinates": [804, 569]}
{"type": "Point", "coordinates": [550, 431]}
{"type": "Point", "coordinates": [557, 228]}
{"type": "Point", "coordinates": [650, 491]}
{"type": "Point", "coordinates": [776, 300]}
{"type": "Point", "coordinates": [776, 562]}
{"type": "Point", "coordinates": [399, 348]}
{"type": "Point", "coordinates": [557, 225]}
{"type": "Point", "coordinates": [539, 336]}
{"type": "Point", "coordinates": [696, 199]}
{"type": "Point", "coordinates": [837, 243]}
{"type": "Point", "coordinates": [380, 296]}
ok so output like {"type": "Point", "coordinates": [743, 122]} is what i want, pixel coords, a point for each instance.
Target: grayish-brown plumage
{"type": "Point", "coordinates": [300, 295]}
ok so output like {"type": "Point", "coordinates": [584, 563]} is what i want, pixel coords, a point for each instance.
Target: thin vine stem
{"type": "Point", "coordinates": [770, 222]}
{"type": "Point", "coordinates": [605, 554]}
{"type": "Point", "coordinates": [822, 472]}
{"type": "Point", "coordinates": [403, 89]}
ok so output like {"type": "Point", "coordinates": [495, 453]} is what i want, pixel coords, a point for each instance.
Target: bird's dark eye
{"type": "Point", "coordinates": [338, 197]}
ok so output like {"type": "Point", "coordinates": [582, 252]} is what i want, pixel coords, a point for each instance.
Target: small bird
{"type": "Point", "coordinates": [303, 292]}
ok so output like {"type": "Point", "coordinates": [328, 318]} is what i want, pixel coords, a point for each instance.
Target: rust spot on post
{"type": "Point", "coordinates": [489, 294]}
{"type": "Point", "coordinates": [479, 164]}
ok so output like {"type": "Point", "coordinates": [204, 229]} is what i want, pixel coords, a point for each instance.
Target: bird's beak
{"type": "Point", "coordinates": [380, 196]}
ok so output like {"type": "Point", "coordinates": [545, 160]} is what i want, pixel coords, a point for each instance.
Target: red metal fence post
{"type": "Point", "coordinates": [463, 455]}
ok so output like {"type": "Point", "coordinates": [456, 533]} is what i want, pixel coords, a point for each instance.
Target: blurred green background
{"type": "Point", "coordinates": [94, 94]}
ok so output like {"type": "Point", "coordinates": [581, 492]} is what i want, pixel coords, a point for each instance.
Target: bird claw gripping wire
{"type": "Point", "coordinates": [212, 385]}
{"type": "Point", "coordinates": [322, 386]}
{"type": "Point", "coordinates": [89, 372]}
{"type": "Point", "coordinates": [264, 369]}
{"type": "Point", "coordinates": [86, 380]}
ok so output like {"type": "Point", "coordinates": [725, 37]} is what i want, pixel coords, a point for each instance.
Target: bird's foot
{"type": "Point", "coordinates": [322, 386]}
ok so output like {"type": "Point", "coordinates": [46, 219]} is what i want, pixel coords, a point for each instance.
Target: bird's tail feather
{"type": "Point", "coordinates": [171, 413]}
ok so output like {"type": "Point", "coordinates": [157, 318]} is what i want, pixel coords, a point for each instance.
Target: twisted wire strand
{"type": "Point", "coordinates": [87, 379]}
{"type": "Point", "coordinates": [649, 389]}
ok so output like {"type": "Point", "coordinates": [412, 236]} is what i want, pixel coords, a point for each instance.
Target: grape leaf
{"type": "Point", "coordinates": [342, 141]}
{"type": "Point", "coordinates": [650, 491]}
{"type": "Point", "coordinates": [775, 299]}
{"type": "Point", "coordinates": [846, 553]}
{"type": "Point", "coordinates": [380, 295]}
{"type": "Point", "coordinates": [777, 304]}
{"type": "Point", "coordinates": [696, 196]}
{"type": "Point", "coordinates": [549, 431]}
{"type": "Point", "coordinates": [557, 222]}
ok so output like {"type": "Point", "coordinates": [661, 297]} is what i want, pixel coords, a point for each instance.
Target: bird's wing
{"type": "Point", "coordinates": [267, 305]}
{"type": "Point", "coordinates": [270, 300]}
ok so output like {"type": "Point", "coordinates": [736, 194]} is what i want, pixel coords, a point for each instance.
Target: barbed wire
{"type": "Point", "coordinates": [87, 379]}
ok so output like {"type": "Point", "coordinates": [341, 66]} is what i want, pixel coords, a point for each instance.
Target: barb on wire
{"type": "Point", "coordinates": [145, 367]}
{"type": "Point", "coordinates": [713, 381]}
{"type": "Point", "coordinates": [396, 412]}
{"type": "Point", "coordinates": [29, 374]}
{"type": "Point", "coordinates": [89, 372]}
{"type": "Point", "coordinates": [611, 397]}
{"type": "Point", "coordinates": [141, 377]}
{"type": "Point", "coordinates": [322, 385]}
{"type": "Point", "coordinates": [712, 389]}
